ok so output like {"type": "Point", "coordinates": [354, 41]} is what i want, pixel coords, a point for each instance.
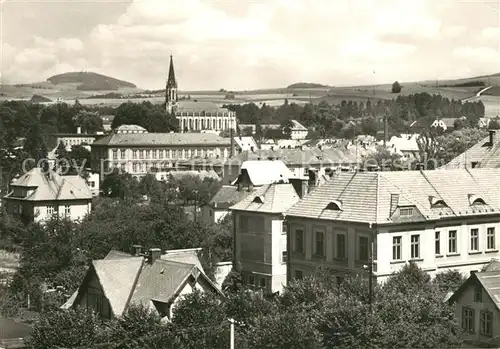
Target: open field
{"type": "Point", "coordinates": [494, 91]}
{"type": "Point", "coordinates": [273, 96]}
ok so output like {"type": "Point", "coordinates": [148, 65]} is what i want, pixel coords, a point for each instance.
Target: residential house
{"type": "Point", "coordinates": [302, 162]}
{"type": "Point", "coordinates": [93, 183]}
{"type": "Point", "coordinates": [153, 280]}
{"type": "Point", "coordinates": [218, 206]}
{"type": "Point", "coordinates": [260, 237]}
{"type": "Point", "coordinates": [477, 307]}
{"type": "Point", "coordinates": [404, 145]}
{"type": "Point", "coordinates": [138, 152]}
{"type": "Point", "coordinates": [439, 219]}
{"type": "Point", "coordinates": [245, 144]}
{"type": "Point", "coordinates": [486, 153]}
{"type": "Point", "coordinates": [72, 139]}
{"type": "Point", "coordinates": [40, 194]}
{"type": "Point", "coordinates": [299, 131]}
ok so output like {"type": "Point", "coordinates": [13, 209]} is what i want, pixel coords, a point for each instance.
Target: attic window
{"type": "Point", "coordinates": [406, 211]}
{"type": "Point", "coordinates": [258, 200]}
{"type": "Point", "coordinates": [476, 200]}
{"type": "Point", "coordinates": [437, 202]}
{"type": "Point", "coordinates": [334, 206]}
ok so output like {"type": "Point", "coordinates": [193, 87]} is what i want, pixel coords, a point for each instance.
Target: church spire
{"type": "Point", "coordinates": [171, 88]}
{"type": "Point", "coordinates": [171, 82]}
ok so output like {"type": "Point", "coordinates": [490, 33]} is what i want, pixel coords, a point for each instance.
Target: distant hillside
{"type": "Point", "coordinates": [90, 81]}
{"type": "Point", "coordinates": [40, 99]}
{"type": "Point", "coordinates": [306, 85]}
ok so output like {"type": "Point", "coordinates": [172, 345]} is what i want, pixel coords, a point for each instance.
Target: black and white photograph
{"type": "Point", "coordinates": [249, 174]}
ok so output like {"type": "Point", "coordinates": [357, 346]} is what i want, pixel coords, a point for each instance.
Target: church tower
{"type": "Point", "coordinates": [171, 89]}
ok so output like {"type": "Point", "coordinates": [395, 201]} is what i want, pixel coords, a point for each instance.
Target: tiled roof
{"type": "Point", "coordinates": [489, 280]}
{"type": "Point", "coordinates": [127, 279]}
{"type": "Point", "coordinates": [52, 186]}
{"type": "Point", "coordinates": [273, 198]}
{"type": "Point", "coordinates": [246, 143]}
{"type": "Point", "coordinates": [366, 196]}
{"type": "Point", "coordinates": [297, 126]}
{"type": "Point", "coordinates": [227, 195]}
{"type": "Point", "coordinates": [310, 156]}
{"type": "Point", "coordinates": [266, 171]}
{"type": "Point", "coordinates": [481, 153]}
{"type": "Point", "coordinates": [162, 139]}
{"type": "Point", "coordinates": [199, 106]}
{"type": "Point", "coordinates": [117, 278]}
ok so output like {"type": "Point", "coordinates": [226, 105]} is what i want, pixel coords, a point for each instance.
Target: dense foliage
{"type": "Point", "coordinates": [407, 312]}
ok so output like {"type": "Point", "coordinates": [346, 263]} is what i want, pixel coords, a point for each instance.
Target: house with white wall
{"type": "Point", "coordinates": [40, 194]}
{"type": "Point", "coordinates": [441, 220]}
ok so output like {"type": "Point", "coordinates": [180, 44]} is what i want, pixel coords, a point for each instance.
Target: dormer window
{"type": "Point", "coordinates": [334, 206]}
{"type": "Point", "coordinates": [476, 200]}
{"type": "Point", "coordinates": [437, 202]}
{"type": "Point", "coordinates": [406, 211]}
{"type": "Point", "coordinates": [258, 200]}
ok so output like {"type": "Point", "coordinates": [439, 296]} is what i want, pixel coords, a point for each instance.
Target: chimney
{"type": "Point", "coordinates": [394, 202]}
{"type": "Point", "coordinates": [136, 250]}
{"type": "Point", "coordinates": [492, 137]}
{"type": "Point", "coordinates": [232, 144]}
{"type": "Point", "coordinates": [301, 186]}
{"type": "Point", "coordinates": [154, 254]}
{"type": "Point", "coordinates": [472, 272]}
{"type": "Point", "coordinates": [79, 130]}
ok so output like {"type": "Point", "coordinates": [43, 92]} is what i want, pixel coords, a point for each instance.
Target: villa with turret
{"type": "Point", "coordinates": [196, 115]}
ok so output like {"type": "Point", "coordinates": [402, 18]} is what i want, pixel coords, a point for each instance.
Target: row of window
{"type": "Point", "coordinates": [452, 243]}
{"type": "Point", "coordinates": [52, 209]}
{"type": "Point", "coordinates": [205, 124]}
{"type": "Point", "coordinates": [299, 275]}
{"type": "Point", "coordinates": [340, 245]}
{"type": "Point", "coordinates": [260, 281]}
{"type": "Point", "coordinates": [163, 153]}
{"type": "Point", "coordinates": [485, 321]}
{"type": "Point", "coordinates": [203, 113]}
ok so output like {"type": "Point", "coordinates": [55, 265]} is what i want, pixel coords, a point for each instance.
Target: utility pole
{"type": "Point", "coordinates": [231, 339]}
{"type": "Point", "coordinates": [370, 280]}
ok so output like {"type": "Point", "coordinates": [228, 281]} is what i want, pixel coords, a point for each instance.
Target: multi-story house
{"type": "Point", "coordinates": [38, 195]}
{"type": "Point", "coordinates": [439, 219]}
{"type": "Point", "coordinates": [477, 308]}
{"type": "Point", "coordinates": [72, 139]}
{"type": "Point", "coordinates": [141, 152]}
{"type": "Point", "coordinates": [260, 237]}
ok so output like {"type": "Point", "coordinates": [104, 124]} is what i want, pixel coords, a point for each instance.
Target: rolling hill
{"type": "Point", "coordinates": [89, 81]}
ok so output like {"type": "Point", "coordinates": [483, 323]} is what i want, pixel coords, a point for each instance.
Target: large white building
{"type": "Point", "coordinates": [439, 219]}
{"type": "Point", "coordinates": [196, 115]}
{"type": "Point", "coordinates": [38, 195]}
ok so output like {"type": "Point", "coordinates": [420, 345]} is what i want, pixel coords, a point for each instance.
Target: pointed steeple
{"type": "Point", "coordinates": [171, 82]}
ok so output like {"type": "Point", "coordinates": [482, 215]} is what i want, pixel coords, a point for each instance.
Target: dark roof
{"type": "Point", "coordinates": [162, 139]}
{"type": "Point", "coordinates": [227, 196]}
{"type": "Point", "coordinates": [171, 82]}
{"type": "Point", "coordinates": [482, 153]}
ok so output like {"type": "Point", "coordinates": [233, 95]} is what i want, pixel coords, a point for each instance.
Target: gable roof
{"type": "Point", "coordinates": [226, 196]}
{"type": "Point", "coordinates": [482, 153]}
{"type": "Point", "coordinates": [366, 196]}
{"type": "Point", "coordinates": [52, 186]}
{"type": "Point", "coordinates": [489, 281]}
{"type": "Point", "coordinates": [266, 171]}
{"type": "Point", "coordinates": [273, 198]}
{"type": "Point", "coordinates": [128, 279]}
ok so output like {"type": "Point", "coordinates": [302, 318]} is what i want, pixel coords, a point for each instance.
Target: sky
{"type": "Point", "coordinates": [250, 44]}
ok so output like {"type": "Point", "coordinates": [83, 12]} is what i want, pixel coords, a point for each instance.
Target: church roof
{"type": "Point", "coordinates": [171, 82]}
{"type": "Point", "coordinates": [199, 106]}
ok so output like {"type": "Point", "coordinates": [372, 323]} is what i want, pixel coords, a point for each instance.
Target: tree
{"type": "Point", "coordinates": [65, 329]}
{"type": "Point", "coordinates": [286, 126]}
{"type": "Point", "coordinates": [384, 159]}
{"type": "Point", "coordinates": [90, 122]}
{"type": "Point", "coordinates": [396, 87]}
{"type": "Point", "coordinates": [120, 185]}
{"type": "Point", "coordinates": [63, 161]}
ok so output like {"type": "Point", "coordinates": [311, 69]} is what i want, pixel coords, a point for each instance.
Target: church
{"type": "Point", "coordinates": [196, 116]}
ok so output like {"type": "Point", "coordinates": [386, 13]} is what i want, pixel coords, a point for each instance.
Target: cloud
{"type": "Point", "coordinates": [491, 33]}
{"type": "Point", "coordinates": [454, 31]}
{"type": "Point", "coordinates": [249, 44]}
{"type": "Point", "coordinates": [478, 54]}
